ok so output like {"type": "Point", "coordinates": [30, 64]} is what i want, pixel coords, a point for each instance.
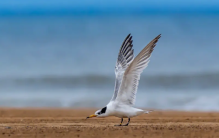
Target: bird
{"type": "Point", "coordinates": [127, 72]}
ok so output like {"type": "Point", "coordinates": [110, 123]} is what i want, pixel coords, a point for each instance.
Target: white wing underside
{"type": "Point", "coordinates": [124, 59]}
{"type": "Point", "coordinates": [126, 93]}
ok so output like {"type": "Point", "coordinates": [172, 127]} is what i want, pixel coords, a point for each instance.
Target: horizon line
{"type": "Point", "coordinates": [70, 11]}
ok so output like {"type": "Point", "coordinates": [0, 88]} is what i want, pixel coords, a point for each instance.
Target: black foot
{"type": "Point", "coordinates": [118, 125]}
{"type": "Point", "coordinates": [127, 123]}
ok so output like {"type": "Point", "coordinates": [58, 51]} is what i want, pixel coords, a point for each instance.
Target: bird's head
{"type": "Point", "coordinates": [99, 113]}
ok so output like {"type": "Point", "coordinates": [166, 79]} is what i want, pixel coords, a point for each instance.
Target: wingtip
{"type": "Point", "coordinates": [158, 36]}
{"type": "Point", "coordinates": [131, 38]}
{"type": "Point", "coordinates": [129, 35]}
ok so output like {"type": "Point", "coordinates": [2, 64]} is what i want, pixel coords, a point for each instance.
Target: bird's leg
{"type": "Point", "coordinates": [120, 123]}
{"type": "Point", "coordinates": [127, 123]}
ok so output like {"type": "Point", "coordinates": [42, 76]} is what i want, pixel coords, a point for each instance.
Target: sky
{"type": "Point", "coordinates": [23, 5]}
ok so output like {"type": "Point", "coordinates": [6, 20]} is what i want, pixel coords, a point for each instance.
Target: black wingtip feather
{"type": "Point", "coordinates": [155, 41]}
{"type": "Point", "coordinates": [127, 39]}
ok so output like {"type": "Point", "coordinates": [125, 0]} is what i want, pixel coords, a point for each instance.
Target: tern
{"type": "Point", "coordinates": [127, 71]}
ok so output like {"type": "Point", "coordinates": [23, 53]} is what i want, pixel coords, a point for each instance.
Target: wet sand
{"type": "Point", "coordinates": [70, 123]}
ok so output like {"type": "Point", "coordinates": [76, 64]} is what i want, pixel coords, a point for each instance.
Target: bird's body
{"type": "Point", "coordinates": [122, 110]}
{"type": "Point", "coordinates": [128, 70]}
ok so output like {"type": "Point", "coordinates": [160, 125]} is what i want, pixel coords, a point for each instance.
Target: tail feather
{"type": "Point", "coordinates": [147, 112]}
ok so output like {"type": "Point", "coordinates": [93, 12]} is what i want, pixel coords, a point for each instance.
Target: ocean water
{"type": "Point", "coordinates": [68, 61]}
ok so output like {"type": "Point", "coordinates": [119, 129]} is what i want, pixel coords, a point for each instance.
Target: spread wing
{"type": "Point", "coordinates": [125, 57]}
{"type": "Point", "coordinates": [129, 86]}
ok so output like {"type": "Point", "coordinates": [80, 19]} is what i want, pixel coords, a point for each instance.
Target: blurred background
{"type": "Point", "coordinates": [62, 53]}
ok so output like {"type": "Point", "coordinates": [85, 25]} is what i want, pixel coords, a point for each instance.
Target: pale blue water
{"type": "Point", "coordinates": [68, 61]}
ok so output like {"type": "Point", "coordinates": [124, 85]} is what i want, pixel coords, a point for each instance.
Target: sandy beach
{"type": "Point", "coordinates": [69, 123]}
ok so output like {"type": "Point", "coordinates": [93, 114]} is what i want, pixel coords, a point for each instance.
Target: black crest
{"type": "Point", "coordinates": [103, 110]}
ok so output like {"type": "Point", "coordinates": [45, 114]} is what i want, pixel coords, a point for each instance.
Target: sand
{"type": "Point", "coordinates": [70, 123]}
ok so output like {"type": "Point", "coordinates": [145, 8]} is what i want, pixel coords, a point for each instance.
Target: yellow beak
{"type": "Point", "coordinates": [91, 116]}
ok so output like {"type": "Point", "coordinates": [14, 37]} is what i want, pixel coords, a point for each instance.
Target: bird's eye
{"type": "Point", "coordinates": [98, 113]}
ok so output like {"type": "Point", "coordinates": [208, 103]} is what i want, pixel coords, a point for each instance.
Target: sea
{"type": "Point", "coordinates": [68, 61]}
